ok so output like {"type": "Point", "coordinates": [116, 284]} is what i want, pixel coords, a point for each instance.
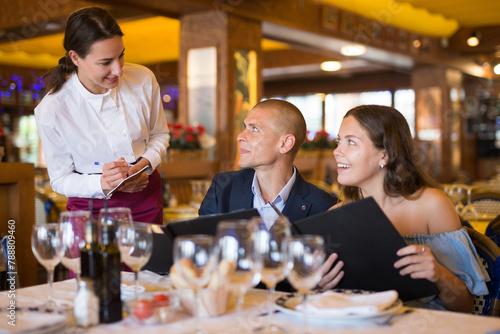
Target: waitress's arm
{"type": "Point", "coordinates": [61, 168]}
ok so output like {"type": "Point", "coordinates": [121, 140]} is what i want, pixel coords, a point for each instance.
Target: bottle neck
{"type": "Point", "coordinates": [88, 234]}
{"type": "Point", "coordinates": [108, 234]}
{"type": "Point", "coordinates": [91, 233]}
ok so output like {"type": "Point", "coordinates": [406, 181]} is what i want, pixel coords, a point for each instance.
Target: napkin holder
{"type": "Point", "coordinates": [214, 298]}
{"type": "Point", "coordinates": [213, 302]}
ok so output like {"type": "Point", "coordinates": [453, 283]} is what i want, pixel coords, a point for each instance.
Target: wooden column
{"type": "Point", "coordinates": [437, 119]}
{"type": "Point", "coordinates": [229, 34]}
{"type": "Point", "coordinates": [17, 195]}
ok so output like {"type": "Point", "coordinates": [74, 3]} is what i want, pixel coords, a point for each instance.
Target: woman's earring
{"type": "Point", "coordinates": [382, 166]}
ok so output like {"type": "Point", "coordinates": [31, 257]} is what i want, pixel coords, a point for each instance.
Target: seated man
{"type": "Point", "coordinates": [274, 132]}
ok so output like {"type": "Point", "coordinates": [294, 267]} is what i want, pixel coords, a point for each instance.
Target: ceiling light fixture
{"type": "Point", "coordinates": [496, 69]}
{"type": "Point", "coordinates": [474, 39]}
{"type": "Point", "coordinates": [353, 50]}
{"type": "Point", "coordinates": [53, 26]}
{"type": "Point", "coordinates": [330, 66]}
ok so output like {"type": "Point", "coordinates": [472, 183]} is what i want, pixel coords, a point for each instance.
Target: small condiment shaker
{"type": "Point", "coordinates": [86, 304]}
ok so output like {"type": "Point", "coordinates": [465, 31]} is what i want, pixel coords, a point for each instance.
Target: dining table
{"type": "Point", "coordinates": [253, 315]}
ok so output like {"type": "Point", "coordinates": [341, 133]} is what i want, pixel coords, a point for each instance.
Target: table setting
{"type": "Point", "coordinates": [254, 312]}
{"type": "Point", "coordinates": [210, 289]}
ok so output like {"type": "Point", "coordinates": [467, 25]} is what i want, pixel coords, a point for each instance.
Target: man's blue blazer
{"type": "Point", "coordinates": [232, 191]}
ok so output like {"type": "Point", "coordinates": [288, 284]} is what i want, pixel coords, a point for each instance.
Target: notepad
{"type": "Point", "coordinates": [367, 242]}
{"type": "Point", "coordinates": [127, 179]}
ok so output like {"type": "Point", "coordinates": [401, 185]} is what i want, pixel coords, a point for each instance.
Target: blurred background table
{"type": "Point", "coordinates": [419, 321]}
{"type": "Point", "coordinates": [179, 213]}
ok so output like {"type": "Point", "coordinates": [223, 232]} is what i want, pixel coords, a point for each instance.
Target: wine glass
{"type": "Point", "coordinates": [112, 217]}
{"type": "Point", "coordinates": [135, 242]}
{"type": "Point", "coordinates": [116, 214]}
{"type": "Point", "coordinates": [271, 248]}
{"type": "Point", "coordinates": [240, 263]}
{"type": "Point", "coordinates": [73, 235]}
{"type": "Point", "coordinates": [305, 255]}
{"type": "Point", "coordinates": [195, 260]}
{"type": "Point", "coordinates": [456, 194]}
{"type": "Point", "coordinates": [468, 212]}
{"type": "Point", "coordinates": [48, 248]}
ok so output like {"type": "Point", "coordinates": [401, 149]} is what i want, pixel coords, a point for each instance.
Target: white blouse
{"type": "Point", "coordinates": [81, 131]}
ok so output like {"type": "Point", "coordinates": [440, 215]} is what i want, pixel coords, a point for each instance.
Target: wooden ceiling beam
{"type": "Point", "coordinates": [282, 58]}
{"type": "Point", "coordinates": [25, 19]}
{"type": "Point", "coordinates": [29, 18]}
{"type": "Point", "coordinates": [489, 40]}
{"type": "Point", "coordinates": [305, 16]}
{"type": "Point", "coordinates": [34, 14]}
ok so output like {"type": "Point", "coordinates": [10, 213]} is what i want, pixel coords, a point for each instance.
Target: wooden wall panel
{"type": "Point", "coordinates": [17, 195]}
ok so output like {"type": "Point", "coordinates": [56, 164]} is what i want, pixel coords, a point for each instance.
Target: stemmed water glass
{"type": "Point", "coordinates": [195, 260]}
{"type": "Point", "coordinates": [115, 214]}
{"type": "Point", "coordinates": [240, 263]}
{"type": "Point", "coordinates": [272, 250]}
{"type": "Point", "coordinates": [73, 235]}
{"type": "Point", "coordinates": [305, 255]}
{"type": "Point", "coordinates": [456, 193]}
{"type": "Point", "coordinates": [135, 242]}
{"type": "Point", "coordinates": [48, 248]}
{"type": "Point", "coordinates": [468, 212]}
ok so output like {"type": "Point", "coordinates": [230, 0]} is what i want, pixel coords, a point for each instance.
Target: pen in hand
{"type": "Point", "coordinates": [97, 163]}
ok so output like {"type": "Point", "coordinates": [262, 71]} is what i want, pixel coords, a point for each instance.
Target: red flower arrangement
{"type": "Point", "coordinates": [185, 137]}
{"type": "Point", "coordinates": [321, 140]}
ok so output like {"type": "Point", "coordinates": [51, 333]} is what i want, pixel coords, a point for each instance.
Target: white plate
{"type": "Point", "coordinates": [128, 291]}
{"type": "Point", "coordinates": [35, 321]}
{"type": "Point", "coordinates": [288, 303]}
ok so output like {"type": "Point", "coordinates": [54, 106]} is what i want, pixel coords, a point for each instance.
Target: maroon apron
{"type": "Point", "coordinates": [146, 205]}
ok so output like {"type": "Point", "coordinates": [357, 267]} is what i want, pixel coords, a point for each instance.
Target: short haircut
{"type": "Point", "coordinates": [289, 120]}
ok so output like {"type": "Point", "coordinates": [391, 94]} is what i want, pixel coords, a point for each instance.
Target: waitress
{"type": "Point", "coordinates": [102, 120]}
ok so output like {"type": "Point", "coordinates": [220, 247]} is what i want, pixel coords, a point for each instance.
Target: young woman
{"type": "Point", "coordinates": [102, 120]}
{"type": "Point", "coordinates": [376, 157]}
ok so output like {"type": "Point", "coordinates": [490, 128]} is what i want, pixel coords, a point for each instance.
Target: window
{"type": "Point", "coordinates": [337, 105]}
{"type": "Point", "coordinates": [311, 107]}
{"type": "Point", "coordinates": [404, 101]}
{"type": "Point", "coordinates": [27, 140]}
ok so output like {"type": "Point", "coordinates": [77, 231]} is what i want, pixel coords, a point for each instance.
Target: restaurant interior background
{"type": "Point", "coordinates": [214, 59]}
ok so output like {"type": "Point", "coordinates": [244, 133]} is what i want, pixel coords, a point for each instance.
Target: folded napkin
{"type": "Point", "coordinates": [340, 304]}
{"type": "Point", "coordinates": [214, 297]}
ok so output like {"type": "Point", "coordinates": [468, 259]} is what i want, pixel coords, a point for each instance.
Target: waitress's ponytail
{"type": "Point", "coordinates": [57, 75]}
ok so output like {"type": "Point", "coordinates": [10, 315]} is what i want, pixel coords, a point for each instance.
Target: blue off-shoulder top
{"type": "Point", "coordinates": [454, 251]}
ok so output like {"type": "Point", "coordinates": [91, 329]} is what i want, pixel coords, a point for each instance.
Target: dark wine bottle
{"type": "Point", "coordinates": [88, 254]}
{"type": "Point", "coordinates": [110, 308]}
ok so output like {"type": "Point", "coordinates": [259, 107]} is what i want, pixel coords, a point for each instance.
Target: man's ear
{"type": "Point", "coordinates": [74, 57]}
{"type": "Point", "coordinates": [287, 143]}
